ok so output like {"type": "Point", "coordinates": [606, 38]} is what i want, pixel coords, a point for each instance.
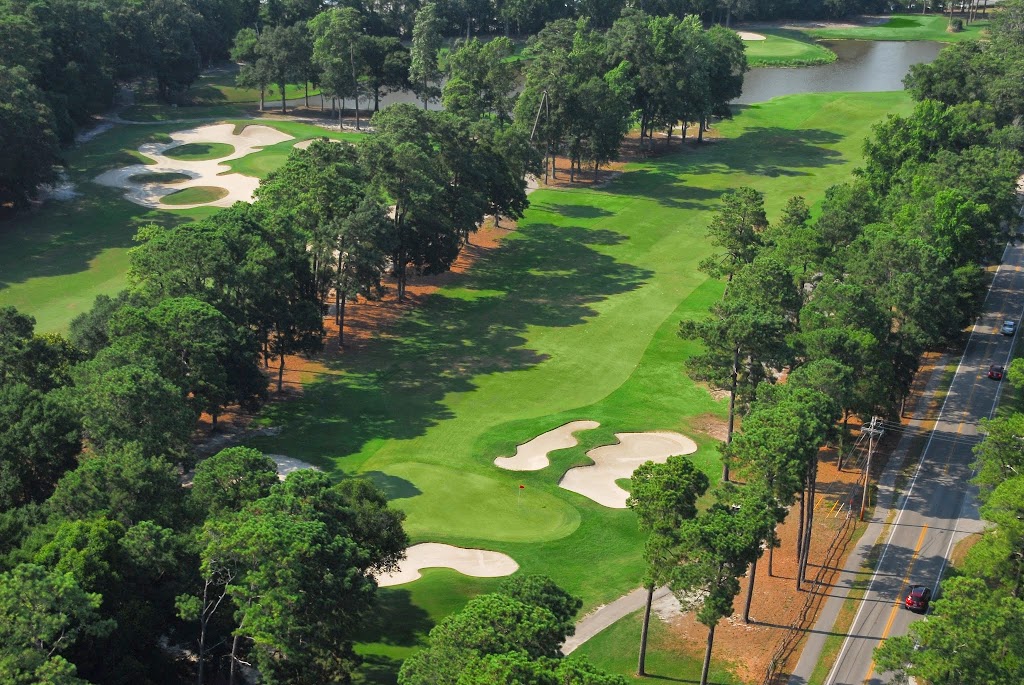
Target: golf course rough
{"type": "Point", "coordinates": [479, 563]}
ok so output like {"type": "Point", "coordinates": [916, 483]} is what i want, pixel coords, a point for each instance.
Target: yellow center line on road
{"type": "Point", "coordinates": [960, 427]}
{"type": "Point", "coordinates": [899, 597]}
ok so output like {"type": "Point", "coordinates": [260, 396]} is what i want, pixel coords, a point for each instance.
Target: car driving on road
{"type": "Point", "coordinates": [995, 372]}
{"type": "Point", "coordinates": [1009, 327]}
{"type": "Point", "coordinates": [918, 598]}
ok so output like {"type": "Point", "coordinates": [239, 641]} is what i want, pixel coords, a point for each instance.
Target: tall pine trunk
{"type": "Point", "coordinates": [799, 538]}
{"type": "Point", "coordinates": [643, 631]}
{"type": "Point", "coordinates": [750, 591]}
{"type": "Point", "coordinates": [284, 99]}
{"type": "Point", "coordinates": [810, 517]}
{"type": "Point", "coordinates": [341, 321]}
{"type": "Point", "coordinates": [732, 408]}
{"type": "Point", "coordinates": [280, 372]}
{"type": "Point", "coordinates": [234, 659]}
{"type": "Point", "coordinates": [707, 656]}
{"type": "Point", "coordinates": [307, 93]}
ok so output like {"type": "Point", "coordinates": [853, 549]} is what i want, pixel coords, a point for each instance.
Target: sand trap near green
{"type": "Point", "coordinates": [205, 173]}
{"type": "Point", "coordinates": [469, 562]}
{"type": "Point", "coordinates": [612, 462]}
{"type": "Point", "coordinates": [287, 465]}
{"type": "Point", "coordinates": [533, 455]}
{"type": "Point", "coordinates": [747, 35]}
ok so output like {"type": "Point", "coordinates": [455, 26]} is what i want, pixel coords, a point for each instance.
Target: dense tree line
{"type": "Point", "coordinates": [509, 637]}
{"type": "Point", "coordinates": [109, 566]}
{"type": "Point", "coordinates": [62, 60]}
{"type": "Point", "coordinates": [845, 303]}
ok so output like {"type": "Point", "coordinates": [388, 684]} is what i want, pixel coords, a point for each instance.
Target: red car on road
{"type": "Point", "coordinates": [918, 598]}
{"type": "Point", "coordinates": [995, 372]}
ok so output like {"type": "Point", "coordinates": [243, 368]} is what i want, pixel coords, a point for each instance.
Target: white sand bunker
{"type": "Point", "coordinates": [287, 465]}
{"type": "Point", "coordinates": [612, 462]}
{"type": "Point", "coordinates": [470, 562]}
{"type": "Point", "coordinates": [201, 173]}
{"type": "Point", "coordinates": [533, 455]}
{"type": "Point", "coordinates": [747, 35]}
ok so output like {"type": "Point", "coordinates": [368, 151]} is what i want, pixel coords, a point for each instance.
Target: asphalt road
{"type": "Point", "coordinates": [940, 503]}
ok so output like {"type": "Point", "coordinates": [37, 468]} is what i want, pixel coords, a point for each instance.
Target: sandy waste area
{"type": "Point", "coordinates": [533, 455]}
{"type": "Point", "coordinates": [612, 462]}
{"type": "Point", "coordinates": [470, 562]}
{"type": "Point", "coordinates": [211, 173]}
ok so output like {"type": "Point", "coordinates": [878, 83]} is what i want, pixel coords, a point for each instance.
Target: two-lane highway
{"type": "Point", "coordinates": [929, 518]}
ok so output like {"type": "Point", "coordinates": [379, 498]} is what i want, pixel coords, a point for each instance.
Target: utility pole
{"type": "Point", "coordinates": [872, 432]}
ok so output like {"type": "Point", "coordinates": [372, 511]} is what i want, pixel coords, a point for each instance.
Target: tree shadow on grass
{"type": "Point", "coordinates": [395, 388]}
{"type": "Point", "coordinates": [761, 151]}
{"type": "Point", "coordinates": [378, 669]}
{"type": "Point", "coordinates": [396, 620]}
{"type": "Point", "coordinates": [574, 211]}
{"type": "Point", "coordinates": [63, 237]}
{"type": "Point", "coordinates": [393, 486]}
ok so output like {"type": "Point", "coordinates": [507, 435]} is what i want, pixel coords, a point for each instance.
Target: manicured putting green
{"type": "Point", "coordinates": [906, 27]}
{"type": "Point", "coordinates": [196, 195]}
{"type": "Point", "coordinates": [782, 48]}
{"type": "Point", "coordinates": [197, 152]}
{"type": "Point", "coordinates": [165, 177]}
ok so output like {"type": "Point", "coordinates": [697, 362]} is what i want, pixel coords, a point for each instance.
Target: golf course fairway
{"type": "Point", "coordinates": [573, 316]}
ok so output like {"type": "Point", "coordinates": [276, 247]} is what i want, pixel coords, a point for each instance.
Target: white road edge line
{"type": "Point", "coordinates": [963, 499]}
{"type": "Point", "coordinates": [917, 471]}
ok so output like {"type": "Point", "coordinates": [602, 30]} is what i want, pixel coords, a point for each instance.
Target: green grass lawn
{"type": "Point", "coordinates": [573, 316]}
{"type": "Point", "coordinates": [906, 27]}
{"type": "Point", "coordinates": [194, 152]}
{"type": "Point", "coordinates": [56, 259]}
{"type": "Point", "coordinates": [218, 86]}
{"type": "Point", "coordinates": [784, 48]}
{"type": "Point", "coordinates": [195, 195]}
{"type": "Point", "coordinates": [615, 650]}
{"type": "Point", "coordinates": [164, 177]}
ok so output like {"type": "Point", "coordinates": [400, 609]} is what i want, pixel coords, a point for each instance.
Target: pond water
{"type": "Point", "coordinates": [863, 66]}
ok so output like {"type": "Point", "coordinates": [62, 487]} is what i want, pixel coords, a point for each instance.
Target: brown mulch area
{"type": "Point", "coordinates": [365, 320]}
{"type": "Point", "coordinates": [776, 604]}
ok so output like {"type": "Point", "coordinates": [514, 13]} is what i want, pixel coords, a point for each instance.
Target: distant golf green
{"type": "Point", "coordinates": [194, 195]}
{"type": "Point", "coordinates": [906, 27]}
{"type": "Point", "coordinates": [55, 260]}
{"type": "Point", "coordinates": [782, 48]}
{"type": "Point", "coordinates": [195, 152]}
